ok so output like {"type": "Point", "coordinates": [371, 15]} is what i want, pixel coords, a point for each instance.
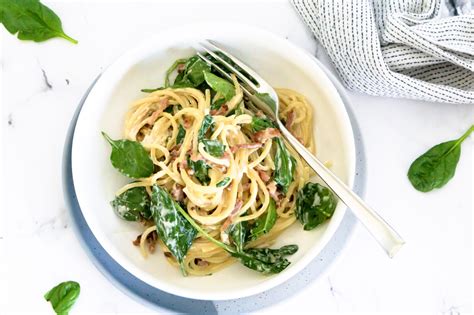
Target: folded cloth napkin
{"type": "Point", "coordinates": [397, 48]}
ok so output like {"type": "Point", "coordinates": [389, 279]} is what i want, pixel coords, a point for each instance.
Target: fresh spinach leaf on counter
{"type": "Point", "coordinates": [200, 169]}
{"type": "Point", "coordinates": [130, 158]}
{"type": "Point", "coordinates": [181, 135]}
{"type": "Point", "coordinates": [32, 20]}
{"type": "Point", "coordinates": [63, 296]}
{"type": "Point", "coordinates": [173, 229]}
{"type": "Point", "coordinates": [265, 222]}
{"type": "Point", "coordinates": [220, 85]}
{"type": "Point", "coordinates": [132, 204]}
{"type": "Point", "coordinates": [223, 182]}
{"type": "Point", "coordinates": [285, 165]}
{"type": "Point", "coordinates": [434, 168]}
{"type": "Point", "coordinates": [314, 205]}
{"type": "Point", "coordinates": [252, 259]}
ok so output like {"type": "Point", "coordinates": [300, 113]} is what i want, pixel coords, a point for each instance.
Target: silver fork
{"type": "Point", "coordinates": [386, 236]}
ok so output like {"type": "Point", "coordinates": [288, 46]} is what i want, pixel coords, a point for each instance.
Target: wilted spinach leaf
{"type": "Point", "coordinates": [220, 85]}
{"type": "Point", "coordinates": [223, 182]}
{"type": "Point", "coordinates": [63, 296]}
{"type": "Point", "coordinates": [194, 70]}
{"type": "Point", "coordinates": [314, 205]}
{"type": "Point", "coordinates": [259, 124]}
{"type": "Point", "coordinates": [130, 158]}
{"type": "Point", "coordinates": [32, 20]}
{"type": "Point", "coordinates": [285, 165]}
{"type": "Point", "coordinates": [173, 229]}
{"type": "Point", "coordinates": [213, 147]}
{"type": "Point", "coordinates": [132, 204]}
{"type": "Point", "coordinates": [217, 104]}
{"type": "Point", "coordinates": [265, 222]}
{"type": "Point", "coordinates": [207, 124]}
{"type": "Point", "coordinates": [238, 235]}
{"type": "Point", "coordinates": [437, 166]}
{"type": "Point", "coordinates": [200, 169]}
{"type": "Point", "coordinates": [181, 135]}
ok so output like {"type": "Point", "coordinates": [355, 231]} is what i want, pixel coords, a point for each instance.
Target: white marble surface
{"type": "Point", "coordinates": [42, 84]}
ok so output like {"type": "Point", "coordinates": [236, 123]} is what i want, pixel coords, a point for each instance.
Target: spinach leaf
{"type": "Point", "coordinates": [151, 90]}
{"type": "Point", "coordinates": [314, 205]}
{"type": "Point", "coordinates": [132, 204]}
{"type": "Point", "coordinates": [172, 69]}
{"type": "Point", "coordinates": [259, 124]}
{"type": "Point", "coordinates": [264, 223]}
{"type": "Point", "coordinates": [63, 296]}
{"type": "Point", "coordinates": [266, 260]}
{"type": "Point", "coordinates": [195, 69]}
{"type": "Point", "coordinates": [200, 169]}
{"type": "Point", "coordinates": [173, 229]}
{"type": "Point", "coordinates": [213, 147]}
{"type": "Point", "coordinates": [217, 104]}
{"type": "Point", "coordinates": [434, 168]}
{"type": "Point", "coordinates": [285, 166]}
{"type": "Point", "coordinates": [238, 235]}
{"type": "Point", "coordinates": [223, 182]}
{"type": "Point", "coordinates": [266, 98]}
{"type": "Point", "coordinates": [130, 158]}
{"type": "Point", "coordinates": [32, 20]}
{"type": "Point", "coordinates": [253, 260]}
{"type": "Point", "coordinates": [220, 85]}
{"type": "Point", "coordinates": [207, 124]}
{"type": "Point", "coordinates": [181, 135]}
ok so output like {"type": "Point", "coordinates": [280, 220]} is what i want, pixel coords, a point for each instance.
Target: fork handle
{"type": "Point", "coordinates": [385, 235]}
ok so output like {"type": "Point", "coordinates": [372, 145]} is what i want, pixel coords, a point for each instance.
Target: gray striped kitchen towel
{"type": "Point", "coordinates": [397, 48]}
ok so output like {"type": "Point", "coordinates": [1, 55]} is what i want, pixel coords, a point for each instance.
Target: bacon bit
{"type": "Point", "coordinates": [163, 104]}
{"type": "Point", "coordinates": [136, 242]}
{"type": "Point", "coordinates": [237, 207]}
{"type": "Point", "coordinates": [167, 254]}
{"type": "Point", "coordinates": [187, 122]}
{"type": "Point", "coordinates": [200, 262]}
{"type": "Point", "coordinates": [272, 189]}
{"type": "Point", "coordinates": [175, 150]}
{"type": "Point", "coordinates": [184, 164]}
{"type": "Point", "coordinates": [290, 119]}
{"type": "Point", "coordinates": [245, 186]}
{"type": "Point", "coordinates": [180, 67]}
{"type": "Point", "coordinates": [248, 146]}
{"type": "Point", "coordinates": [266, 134]}
{"type": "Point", "coordinates": [221, 111]}
{"type": "Point", "coordinates": [177, 192]}
{"type": "Point", "coordinates": [263, 175]}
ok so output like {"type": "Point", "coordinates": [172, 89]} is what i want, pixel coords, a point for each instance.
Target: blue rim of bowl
{"type": "Point", "coordinates": [163, 301]}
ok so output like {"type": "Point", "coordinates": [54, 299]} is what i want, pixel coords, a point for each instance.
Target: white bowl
{"type": "Point", "coordinates": [95, 180]}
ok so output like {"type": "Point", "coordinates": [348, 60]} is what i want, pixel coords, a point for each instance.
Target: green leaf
{"type": "Point", "coordinates": [220, 85]}
{"type": "Point", "coordinates": [195, 69]}
{"type": "Point", "coordinates": [252, 260]}
{"type": "Point", "coordinates": [264, 223]}
{"type": "Point", "coordinates": [152, 90]}
{"type": "Point", "coordinates": [207, 124]}
{"type": "Point", "coordinates": [314, 205]}
{"type": "Point", "coordinates": [267, 99]}
{"type": "Point", "coordinates": [238, 235]}
{"type": "Point", "coordinates": [181, 135]}
{"type": "Point", "coordinates": [63, 296]}
{"type": "Point", "coordinates": [223, 182]}
{"type": "Point", "coordinates": [31, 20]}
{"type": "Point", "coordinates": [173, 229]}
{"type": "Point", "coordinates": [213, 147]}
{"type": "Point", "coordinates": [132, 204]}
{"type": "Point", "coordinates": [172, 69]}
{"type": "Point", "coordinates": [130, 158]}
{"type": "Point", "coordinates": [217, 104]}
{"type": "Point", "coordinates": [270, 255]}
{"type": "Point", "coordinates": [259, 124]}
{"type": "Point", "coordinates": [285, 166]}
{"type": "Point", "coordinates": [200, 169]}
{"type": "Point", "coordinates": [434, 168]}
